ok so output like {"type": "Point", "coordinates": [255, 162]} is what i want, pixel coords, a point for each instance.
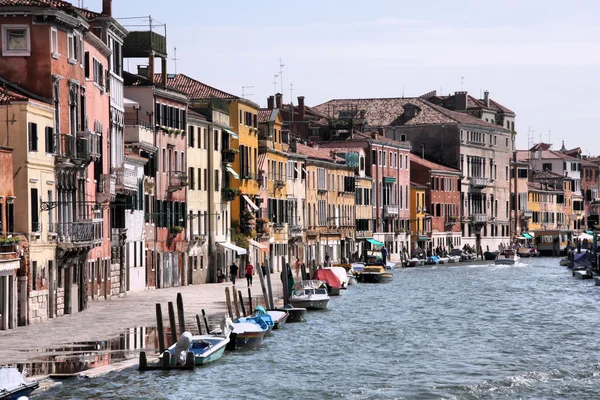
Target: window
{"type": "Point", "coordinates": [71, 48]}
{"type": "Point", "coordinates": [507, 143]}
{"type": "Point", "coordinates": [191, 137]}
{"type": "Point", "coordinates": [33, 139]}
{"type": "Point", "coordinates": [16, 40]}
{"type": "Point", "coordinates": [383, 159]}
{"type": "Point", "coordinates": [164, 160]}
{"type": "Point", "coordinates": [54, 42]}
{"type": "Point", "coordinates": [35, 226]}
{"type": "Point", "coordinates": [98, 73]}
{"type": "Point", "coordinates": [205, 179]}
{"type": "Point", "coordinates": [50, 146]}
{"type": "Point", "coordinates": [216, 180]}
{"type": "Point", "coordinates": [322, 185]}
{"type": "Point", "coordinates": [191, 178]}
{"type": "Point", "coordinates": [216, 140]}
{"type": "Point", "coordinates": [547, 166]}
{"type": "Point", "coordinates": [374, 157]}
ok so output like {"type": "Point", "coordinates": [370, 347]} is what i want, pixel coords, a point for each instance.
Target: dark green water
{"type": "Point", "coordinates": [451, 332]}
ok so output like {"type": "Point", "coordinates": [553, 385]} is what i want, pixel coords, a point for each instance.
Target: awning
{"type": "Point", "coordinates": [240, 251]}
{"type": "Point", "coordinates": [232, 172]}
{"type": "Point", "coordinates": [423, 238]}
{"type": "Point", "coordinates": [589, 232]}
{"type": "Point", "coordinates": [527, 235]}
{"type": "Point", "coordinates": [375, 242]}
{"type": "Point", "coordinates": [262, 247]}
{"type": "Point", "coordinates": [231, 133]}
{"type": "Point", "coordinates": [250, 203]}
{"type": "Point", "coordinates": [389, 180]}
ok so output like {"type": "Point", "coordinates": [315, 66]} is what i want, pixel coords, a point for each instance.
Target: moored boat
{"type": "Point", "coordinates": [295, 314]}
{"type": "Point", "coordinates": [583, 274]}
{"type": "Point", "coordinates": [279, 318]}
{"type": "Point", "coordinates": [334, 287]}
{"type": "Point", "coordinates": [311, 295]}
{"type": "Point", "coordinates": [490, 255]}
{"type": "Point", "coordinates": [13, 386]}
{"type": "Point", "coordinates": [432, 260]}
{"type": "Point", "coordinates": [206, 348]}
{"type": "Point", "coordinates": [247, 332]}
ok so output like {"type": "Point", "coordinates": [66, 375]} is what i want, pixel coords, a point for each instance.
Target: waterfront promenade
{"type": "Point", "coordinates": [104, 320]}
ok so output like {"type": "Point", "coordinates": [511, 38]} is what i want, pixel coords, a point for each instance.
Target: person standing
{"type": "Point", "coordinates": [233, 271]}
{"type": "Point", "coordinates": [384, 255]}
{"type": "Point", "coordinates": [297, 267]}
{"type": "Point", "coordinates": [249, 273]}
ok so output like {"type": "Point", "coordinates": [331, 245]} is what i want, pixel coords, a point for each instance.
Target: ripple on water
{"type": "Point", "coordinates": [452, 332]}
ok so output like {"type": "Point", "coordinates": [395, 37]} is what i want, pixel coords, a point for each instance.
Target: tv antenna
{"type": "Point", "coordinates": [275, 83]}
{"type": "Point", "coordinates": [281, 65]}
{"type": "Point", "coordinates": [244, 94]}
{"type": "Point", "coordinates": [462, 81]}
{"type": "Point", "coordinates": [175, 59]}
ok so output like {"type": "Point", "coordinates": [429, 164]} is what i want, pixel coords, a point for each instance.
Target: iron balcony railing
{"type": "Point", "coordinates": [479, 218]}
{"type": "Point", "coordinates": [478, 182]}
{"type": "Point", "coordinates": [126, 179]}
{"type": "Point", "coordinates": [77, 232]}
{"type": "Point", "coordinates": [177, 180]}
{"type": "Point", "coordinates": [390, 210]}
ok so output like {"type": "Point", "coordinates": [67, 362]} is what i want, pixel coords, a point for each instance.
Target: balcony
{"type": "Point", "coordinates": [89, 146]}
{"type": "Point", "coordinates": [140, 134]}
{"type": "Point", "coordinates": [390, 211]}
{"type": "Point", "coordinates": [479, 219]}
{"type": "Point", "coordinates": [106, 188]}
{"type": "Point", "coordinates": [65, 145]}
{"type": "Point", "coordinates": [279, 183]}
{"type": "Point", "coordinates": [77, 233]}
{"type": "Point", "coordinates": [451, 220]}
{"type": "Point", "coordinates": [228, 155]}
{"type": "Point", "coordinates": [143, 38]}
{"type": "Point", "coordinates": [478, 182]}
{"type": "Point", "coordinates": [177, 181]}
{"type": "Point", "coordinates": [526, 214]}
{"type": "Point", "coordinates": [363, 234]}
{"type": "Point", "coordinates": [126, 180]}
{"type": "Point", "coordinates": [295, 230]}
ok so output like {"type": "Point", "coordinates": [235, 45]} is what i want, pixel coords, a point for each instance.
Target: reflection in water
{"type": "Point", "coordinates": [77, 357]}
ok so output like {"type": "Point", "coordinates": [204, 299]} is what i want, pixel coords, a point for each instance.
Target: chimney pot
{"type": "Point", "coordinates": [460, 101]}
{"type": "Point", "coordinates": [486, 98]}
{"type": "Point", "coordinates": [271, 102]}
{"type": "Point", "coordinates": [278, 100]}
{"type": "Point", "coordinates": [107, 7]}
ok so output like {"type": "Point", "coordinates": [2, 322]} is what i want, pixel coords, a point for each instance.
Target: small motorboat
{"type": "Point", "coordinates": [597, 280]}
{"type": "Point", "coordinates": [342, 275]}
{"type": "Point", "coordinates": [311, 295]}
{"type": "Point", "coordinates": [432, 260]}
{"type": "Point", "coordinates": [443, 260]}
{"type": "Point", "coordinates": [279, 318]}
{"type": "Point", "coordinates": [274, 319]}
{"type": "Point", "coordinates": [507, 257]}
{"type": "Point", "coordinates": [206, 348]}
{"type": "Point", "coordinates": [415, 262]}
{"type": "Point", "coordinates": [390, 265]}
{"type": "Point", "coordinates": [376, 274]}
{"type": "Point", "coordinates": [334, 287]}
{"type": "Point", "coordinates": [351, 278]}
{"type": "Point", "coordinates": [453, 259]}
{"type": "Point", "coordinates": [264, 316]}
{"type": "Point", "coordinates": [490, 255]}
{"type": "Point", "coordinates": [248, 332]}
{"type": "Point", "coordinates": [356, 269]}
{"type": "Point", "coordinates": [564, 262]}
{"type": "Point", "coordinates": [295, 314]}
{"type": "Point", "coordinates": [13, 385]}
{"type": "Point", "coordinates": [583, 274]}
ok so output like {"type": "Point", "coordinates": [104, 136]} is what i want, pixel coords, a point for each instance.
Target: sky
{"type": "Point", "coordinates": [539, 58]}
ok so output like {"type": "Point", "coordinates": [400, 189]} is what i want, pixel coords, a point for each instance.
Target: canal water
{"type": "Point", "coordinates": [447, 332]}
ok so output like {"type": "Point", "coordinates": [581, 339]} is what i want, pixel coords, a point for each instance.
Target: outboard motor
{"type": "Point", "coordinates": [182, 347]}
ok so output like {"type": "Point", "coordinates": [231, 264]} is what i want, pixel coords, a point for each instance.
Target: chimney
{"type": "Point", "coordinates": [423, 151]}
{"type": "Point", "coordinates": [107, 7]}
{"type": "Point", "coordinates": [486, 98]}
{"type": "Point", "coordinates": [142, 70]}
{"type": "Point", "coordinates": [163, 72]}
{"type": "Point", "coordinates": [460, 101]}
{"type": "Point", "coordinates": [278, 100]}
{"type": "Point", "coordinates": [301, 108]}
{"type": "Point", "coordinates": [271, 102]}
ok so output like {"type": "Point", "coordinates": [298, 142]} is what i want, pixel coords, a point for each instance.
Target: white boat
{"type": "Point", "coordinates": [507, 257]}
{"type": "Point", "coordinates": [13, 385]}
{"type": "Point", "coordinates": [597, 280]}
{"type": "Point", "coordinates": [583, 274]}
{"type": "Point", "coordinates": [415, 262]}
{"type": "Point", "coordinates": [453, 259]}
{"type": "Point", "coordinates": [351, 279]}
{"type": "Point", "coordinates": [311, 295]}
{"type": "Point", "coordinates": [564, 262]}
{"type": "Point", "coordinates": [342, 275]}
{"type": "Point", "coordinates": [443, 260]}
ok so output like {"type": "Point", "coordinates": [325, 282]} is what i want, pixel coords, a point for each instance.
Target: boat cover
{"type": "Point", "coordinates": [328, 276]}
{"type": "Point", "coordinates": [259, 310]}
{"type": "Point", "coordinates": [313, 284]}
{"type": "Point", "coordinates": [579, 257]}
{"type": "Point", "coordinates": [10, 378]}
{"type": "Point", "coordinates": [341, 273]}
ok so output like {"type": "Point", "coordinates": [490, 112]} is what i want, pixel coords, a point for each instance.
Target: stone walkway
{"type": "Point", "coordinates": [104, 320]}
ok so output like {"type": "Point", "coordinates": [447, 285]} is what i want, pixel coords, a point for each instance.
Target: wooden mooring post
{"type": "Point", "coordinates": [205, 321]}
{"type": "Point", "coordinates": [241, 302]}
{"type": "Point", "coordinates": [249, 301]}
{"type": "Point", "coordinates": [199, 325]}
{"type": "Point", "coordinates": [180, 314]}
{"type": "Point", "coordinates": [261, 277]}
{"type": "Point", "coordinates": [159, 328]}
{"type": "Point", "coordinates": [172, 323]}
{"type": "Point", "coordinates": [228, 301]}
{"type": "Point", "coordinates": [236, 303]}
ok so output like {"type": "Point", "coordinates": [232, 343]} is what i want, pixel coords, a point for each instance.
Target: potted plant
{"type": "Point", "coordinates": [176, 229]}
{"type": "Point", "coordinates": [7, 244]}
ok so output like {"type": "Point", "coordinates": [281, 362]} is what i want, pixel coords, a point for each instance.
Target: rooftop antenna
{"type": "Point", "coordinates": [176, 59]}
{"type": "Point", "coordinates": [441, 93]}
{"type": "Point", "coordinates": [275, 83]}
{"type": "Point", "coordinates": [244, 94]}
{"type": "Point", "coordinates": [549, 136]}
{"type": "Point", "coordinates": [281, 65]}
{"type": "Point", "coordinates": [402, 91]}
{"type": "Point", "coordinates": [462, 81]}
{"type": "Point", "coordinates": [292, 111]}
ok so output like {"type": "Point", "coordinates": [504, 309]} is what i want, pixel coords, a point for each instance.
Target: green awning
{"type": "Point", "coordinates": [423, 238]}
{"type": "Point", "coordinates": [232, 172]}
{"type": "Point", "coordinates": [231, 133]}
{"type": "Point", "coordinates": [527, 235]}
{"type": "Point", "coordinates": [375, 242]}
{"type": "Point", "coordinates": [389, 180]}
{"type": "Point", "coordinates": [589, 232]}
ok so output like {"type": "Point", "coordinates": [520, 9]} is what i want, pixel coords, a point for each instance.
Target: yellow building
{"type": "Point", "coordinates": [331, 207]}
{"type": "Point", "coordinates": [420, 225]}
{"type": "Point", "coordinates": [30, 132]}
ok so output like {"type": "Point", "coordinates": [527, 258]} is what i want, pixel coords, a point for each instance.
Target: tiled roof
{"type": "Point", "coordinates": [430, 164]}
{"type": "Point", "coordinates": [390, 112]}
{"type": "Point", "coordinates": [193, 88]}
{"type": "Point", "coordinates": [541, 146]}
{"type": "Point", "coordinates": [546, 154]}
{"type": "Point", "coordinates": [540, 186]}
{"type": "Point", "coordinates": [318, 153]}
{"type": "Point", "coordinates": [192, 113]}
{"type": "Point", "coordinates": [472, 102]}
{"type": "Point", "coordinates": [416, 185]}
{"type": "Point", "coordinates": [53, 4]}
{"type": "Point", "coordinates": [10, 96]}
{"type": "Point", "coordinates": [545, 174]}
{"type": "Point", "coordinates": [264, 115]}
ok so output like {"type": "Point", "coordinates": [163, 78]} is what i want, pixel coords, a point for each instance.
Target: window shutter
{"type": "Point", "coordinates": [33, 137]}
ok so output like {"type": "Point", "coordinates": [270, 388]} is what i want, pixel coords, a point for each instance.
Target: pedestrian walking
{"type": "Point", "coordinates": [249, 273]}
{"type": "Point", "coordinates": [384, 255]}
{"type": "Point", "coordinates": [264, 269]}
{"type": "Point", "coordinates": [233, 271]}
{"type": "Point", "coordinates": [297, 267]}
